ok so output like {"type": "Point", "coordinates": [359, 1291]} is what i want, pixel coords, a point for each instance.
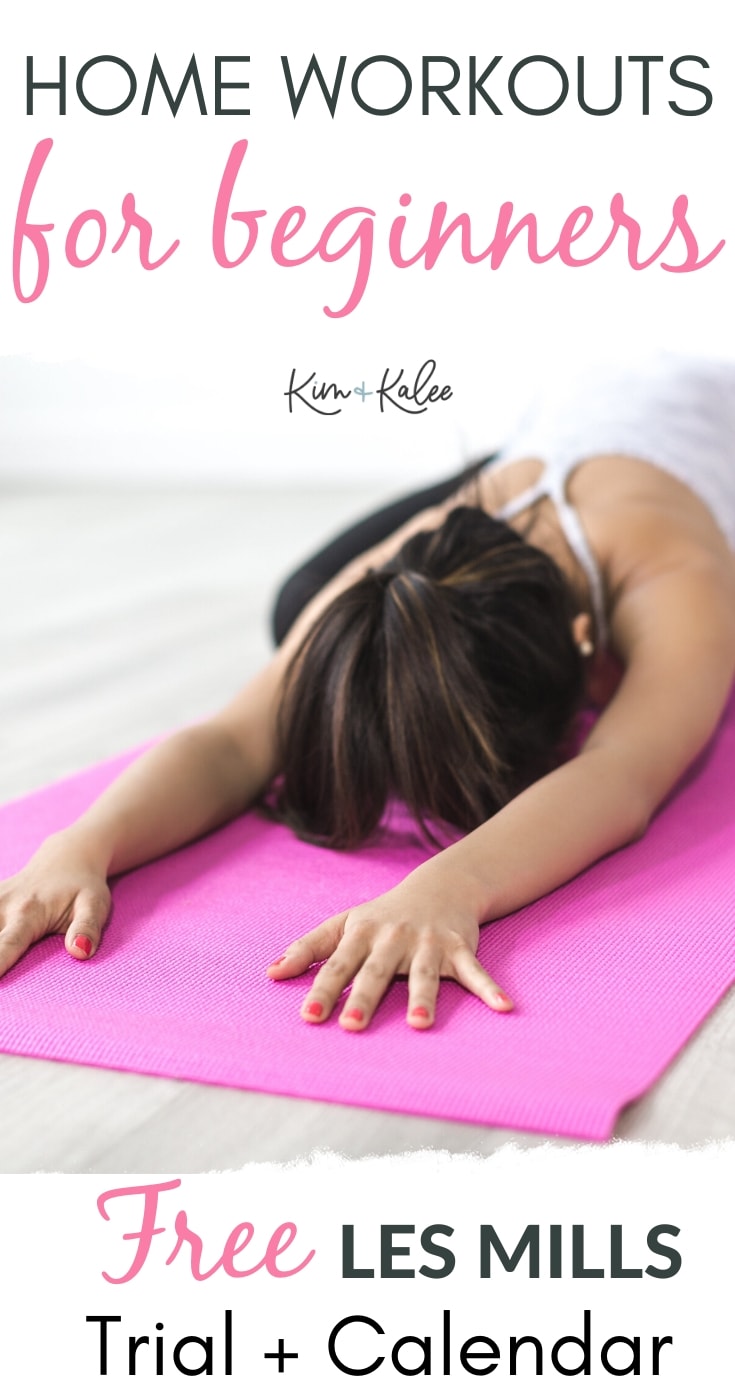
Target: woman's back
{"type": "Point", "coordinates": [624, 473]}
{"type": "Point", "coordinates": [672, 411]}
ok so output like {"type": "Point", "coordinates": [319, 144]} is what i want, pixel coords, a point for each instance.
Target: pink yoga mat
{"type": "Point", "coordinates": [610, 975]}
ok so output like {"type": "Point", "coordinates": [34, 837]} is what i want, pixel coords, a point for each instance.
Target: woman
{"type": "Point", "coordinates": [438, 653]}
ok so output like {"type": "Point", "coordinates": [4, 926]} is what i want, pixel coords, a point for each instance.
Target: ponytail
{"type": "Point", "coordinates": [447, 679]}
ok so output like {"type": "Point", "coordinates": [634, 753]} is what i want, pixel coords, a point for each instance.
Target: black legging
{"type": "Point", "coordinates": [302, 585]}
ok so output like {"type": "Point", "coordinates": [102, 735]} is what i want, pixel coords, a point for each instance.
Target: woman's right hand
{"type": "Point", "coordinates": [60, 890]}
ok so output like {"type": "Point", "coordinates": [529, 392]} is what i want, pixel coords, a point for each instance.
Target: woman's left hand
{"type": "Point", "coordinates": [418, 929]}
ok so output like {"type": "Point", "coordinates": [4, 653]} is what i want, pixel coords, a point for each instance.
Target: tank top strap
{"type": "Point", "coordinates": [579, 545]}
{"type": "Point", "coordinates": [552, 483]}
{"type": "Point", "coordinates": [530, 497]}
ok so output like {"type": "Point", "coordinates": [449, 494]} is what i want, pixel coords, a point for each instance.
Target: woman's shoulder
{"type": "Point", "coordinates": [641, 521]}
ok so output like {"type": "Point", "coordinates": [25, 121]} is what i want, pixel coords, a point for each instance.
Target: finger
{"type": "Point", "coordinates": [369, 987]}
{"type": "Point", "coordinates": [423, 989]}
{"type": "Point", "coordinates": [334, 976]}
{"type": "Point", "coordinates": [320, 943]}
{"type": "Point", "coordinates": [472, 975]}
{"type": "Point", "coordinates": [15, 939]}
{"type": "Point", "coordinates": [87, 922]}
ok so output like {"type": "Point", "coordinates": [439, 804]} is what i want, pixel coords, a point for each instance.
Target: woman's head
{"type": "Point", "coordinates": [447, 679]}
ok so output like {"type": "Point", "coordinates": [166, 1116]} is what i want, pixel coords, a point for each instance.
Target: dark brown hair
{"type": "Point", "coordinates": [447, 679]}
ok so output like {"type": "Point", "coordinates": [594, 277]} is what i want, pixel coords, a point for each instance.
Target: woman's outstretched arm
{"type": "Point", "coordinates": [676, 635]}
{"type": "Point", "coordinates": [186, 786]}
{"type": "Point", "coordinates": [189, 784]}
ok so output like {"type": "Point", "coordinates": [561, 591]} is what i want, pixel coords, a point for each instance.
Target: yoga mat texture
{"type": "Point", "coordinates": [610, 974]}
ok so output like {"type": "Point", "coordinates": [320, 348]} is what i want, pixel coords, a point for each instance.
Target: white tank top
{"type": "Point", "coordinates": [671, 410]}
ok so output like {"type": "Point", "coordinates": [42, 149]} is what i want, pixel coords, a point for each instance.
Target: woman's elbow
{"type": "Point", "coordinates": [641, 806]}
{"type": "Point", "coordinates": [639, 823]}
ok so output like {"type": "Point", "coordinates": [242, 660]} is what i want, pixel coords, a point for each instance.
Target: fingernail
{"type": "Point", "coordinates": [502, 998]}
{"type": "Point", "coordinates": [420, 1011]}
{"type": "Point", "coordinates": [83, 943]}
{"type": "Point", "coordinates": [355, 1013]}
{"type": "Point", "coordinates": [314, 1008]}
{"type": "Point", "coordinates": [276, 961]}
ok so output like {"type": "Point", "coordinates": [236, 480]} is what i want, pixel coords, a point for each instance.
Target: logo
{"type": "Point", "coordinates": [395, 390]}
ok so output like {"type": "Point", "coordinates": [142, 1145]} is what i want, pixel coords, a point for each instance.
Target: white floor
{"type": "Point", "coordinates": [133, 613]}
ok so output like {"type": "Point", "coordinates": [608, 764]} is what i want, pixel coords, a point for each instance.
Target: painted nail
{"type": "Point", "coordinates": [314, 1008]}
{"type": "Point", "coordinates": [420, 1011]}
{"type": "Point", "coordinates": [83, 943]}
{"type": "Point", "coordinates": [355, 1013]}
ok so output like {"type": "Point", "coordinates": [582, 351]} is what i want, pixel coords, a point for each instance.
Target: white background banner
{"type": "Point", "coordinates": [182, 370]}
{"type": "Point", "coordinates": [354, 1270]}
